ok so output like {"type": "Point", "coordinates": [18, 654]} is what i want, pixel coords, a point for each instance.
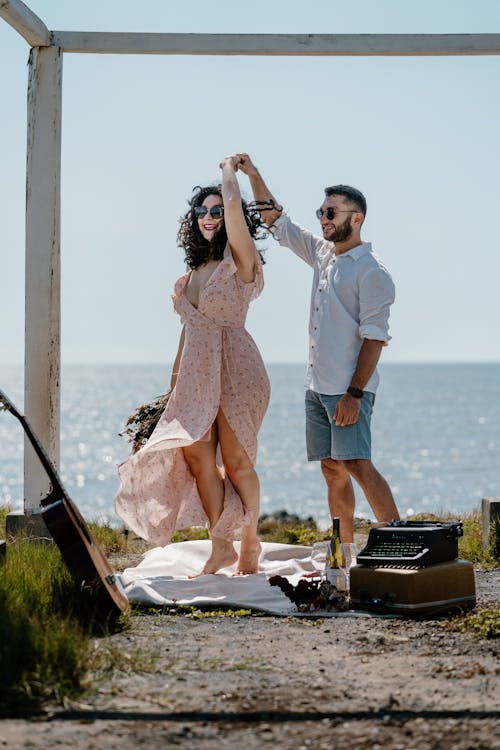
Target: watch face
{"type": "Point", "coordinates": [355, 392]}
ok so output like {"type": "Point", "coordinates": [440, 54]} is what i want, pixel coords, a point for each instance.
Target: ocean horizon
{"type": "Point", "coordinates": [436, 436]}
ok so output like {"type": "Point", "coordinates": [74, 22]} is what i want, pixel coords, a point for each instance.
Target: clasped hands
{"type": "Point", "coordinates": [239, 161]}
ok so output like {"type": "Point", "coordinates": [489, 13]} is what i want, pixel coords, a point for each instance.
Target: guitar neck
{"type": "Point", "coordinates": [57, 487]}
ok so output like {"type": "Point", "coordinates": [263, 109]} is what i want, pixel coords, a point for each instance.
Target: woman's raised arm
{"type": "Point", "coordinates": [240, 240]}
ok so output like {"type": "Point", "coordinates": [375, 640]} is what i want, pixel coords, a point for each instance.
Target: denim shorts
{"type": "Point", "coordinates": [324, 439]}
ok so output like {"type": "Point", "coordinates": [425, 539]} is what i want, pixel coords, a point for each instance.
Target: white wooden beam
{"type": "Point", "coordinates": [23, 20]}
{"type": "Point", "coordinates": [277, 44]}
{"type": "Point", "coordinates": [42, 343]}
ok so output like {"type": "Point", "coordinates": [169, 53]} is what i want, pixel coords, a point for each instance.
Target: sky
{"type": "Point", "coordinates": [419, 136]}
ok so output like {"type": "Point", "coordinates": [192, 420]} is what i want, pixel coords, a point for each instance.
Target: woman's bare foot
{"type": "Point", "coordinates": [223, 554]}
{"type": "Point", "coordinates": [249, 557]}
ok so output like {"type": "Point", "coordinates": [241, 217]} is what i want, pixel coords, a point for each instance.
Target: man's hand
{"type": "Point", "coordinates": [266, 204]}
{"type": "Point", "coordinates": [347, 411]}
{"type": "Point", "coordinates": [246, 164]}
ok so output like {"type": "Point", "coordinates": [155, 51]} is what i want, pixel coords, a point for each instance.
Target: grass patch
{"type": "Point", "coordinates": [111, 540]}
{"type": "Point", "coordinates": [201, 614]}
{"type": "Point", "coordinates": [470, 545]}
{"type": "Point", "coordinates": [4, 509]}
{"type": "Point", "coordinates": [484, 622]}
{"type": "Point", "coordinates": [46, 623]}
{"type": "Point", "coordinates": [48, 626]}
{"type": "Point", "coordinates": [189, 535]}
{"type": "Point", "coordinates": [283, 528]}
{"type": "Point", "coordinates": [104, 657]}
{"type": "Point", "coordinates": [289, 529]}
{"type": "Point", "coordinates": [121, 541]}
{"type": "Point", "coordinates": [194, 613]}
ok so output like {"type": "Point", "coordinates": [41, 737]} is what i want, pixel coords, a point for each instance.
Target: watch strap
{"type": "Point", "coordinates": [355, 392]}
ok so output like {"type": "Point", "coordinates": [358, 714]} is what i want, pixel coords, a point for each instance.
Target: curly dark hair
{"type": "Point", "coordinates": [198, 249]}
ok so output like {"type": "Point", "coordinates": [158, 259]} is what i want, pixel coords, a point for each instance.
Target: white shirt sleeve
{"type": "Point", "coordinates": [303, 243]}
{"type": "Point", "coordinates": [376, 295]}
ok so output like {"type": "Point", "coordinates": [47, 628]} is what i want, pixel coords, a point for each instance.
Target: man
{"type": "Point", "coordinates": [351, 296]}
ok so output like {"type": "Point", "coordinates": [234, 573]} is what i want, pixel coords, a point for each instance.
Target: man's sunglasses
{"type": "Point", "coordinates": [216, 212]}
{"type": "Point", "coordinates": [331, 213]}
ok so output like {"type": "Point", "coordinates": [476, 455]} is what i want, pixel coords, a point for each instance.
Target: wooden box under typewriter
{"type": "Point", "coordinates": [409, 567]}
{"type": "Point", "coordinates": [445, 587]}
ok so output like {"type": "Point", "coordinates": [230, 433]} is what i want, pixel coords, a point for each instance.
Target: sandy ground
{"type": "Point", "coordinates": [259, 681]}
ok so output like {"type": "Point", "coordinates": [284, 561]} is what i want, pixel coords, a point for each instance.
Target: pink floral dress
{"type": "Point", "coordinates": [220, 367]}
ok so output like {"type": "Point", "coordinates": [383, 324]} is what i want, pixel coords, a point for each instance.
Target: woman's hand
{"type": "Point", "coordinates": [232, 161]}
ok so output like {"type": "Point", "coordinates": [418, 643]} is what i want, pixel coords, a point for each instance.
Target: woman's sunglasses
{"type": "Point", "coordinates": [216, 212]}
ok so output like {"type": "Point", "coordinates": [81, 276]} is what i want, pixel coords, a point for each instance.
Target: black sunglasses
{"type": "Point", "coordinates": [216, 212]}
{"type": "Point", "coordinates": [332, 212]}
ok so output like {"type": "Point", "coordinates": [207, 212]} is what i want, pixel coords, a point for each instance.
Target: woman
{"type": "Point", "coordinates": [198, 465]}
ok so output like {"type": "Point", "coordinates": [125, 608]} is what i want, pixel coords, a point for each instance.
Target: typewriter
{"type": "Point", "coordinates": [411, 544]}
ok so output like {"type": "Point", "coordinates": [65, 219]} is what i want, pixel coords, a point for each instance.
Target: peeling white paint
{"type": "Point", "coordinates": [277, 44]}
{"type": "Point", "coordinates": [42, 343]}
{"type": "Point", "coordinates": [24, 21]}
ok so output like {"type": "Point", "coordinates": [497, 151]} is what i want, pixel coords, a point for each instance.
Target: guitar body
{"type": "Point", "coordinates": [86, 561]}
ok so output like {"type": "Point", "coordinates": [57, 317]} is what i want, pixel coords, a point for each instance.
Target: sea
{"type": "Point", "coordinates": [435, 436]}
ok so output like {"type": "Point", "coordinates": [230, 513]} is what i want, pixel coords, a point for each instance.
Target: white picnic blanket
{"type": "Point", "coordinates": [161, 578]}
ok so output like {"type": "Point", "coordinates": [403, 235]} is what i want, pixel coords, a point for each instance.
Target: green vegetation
{"type": "Point", "coordinates": [111, 540]}
{"type": "Point", "coordinates": [470, 545]}
{"type": "Point", "coordinates": [45, 627]}
{"type": "Point", "coordinates": [284, 529]}
{"type": "Point", "coordinates": [485, 622]}
{"type": "Point", "coordinates": [47, 622]}
{"type": "Point", "coordinates": [48, 648]}
{"type": "Point", "coordinates": [103, 656]}
{"type": "Point", "coordinates": [194, 613]}
{"type": "Point", "coordinates": [4, 509]}
{"type": "Point", "coordinates": [189, 535]}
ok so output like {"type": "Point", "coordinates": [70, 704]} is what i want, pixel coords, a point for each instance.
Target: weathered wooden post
{"type": "Point", "coordinates": [43, 286]}
{"type": "Point", "coordinates": [42, 342]}
{"type": "Point", "coordinates": [42, 255]}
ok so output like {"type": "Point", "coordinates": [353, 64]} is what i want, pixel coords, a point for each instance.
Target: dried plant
{"type": "Point", "coordinates": [141, 423]}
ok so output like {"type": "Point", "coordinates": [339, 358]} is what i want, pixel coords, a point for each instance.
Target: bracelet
{"type": "Point", "coordinates": [265, 206]}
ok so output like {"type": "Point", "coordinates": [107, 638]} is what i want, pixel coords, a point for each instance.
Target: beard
{"type": "Point", "coordinates": [341, 232]}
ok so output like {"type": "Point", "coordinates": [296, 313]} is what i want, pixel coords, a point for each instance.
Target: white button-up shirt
{"type": "Point", "coordinates": [350, 300]}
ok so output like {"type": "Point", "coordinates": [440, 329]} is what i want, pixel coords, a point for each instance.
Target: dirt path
{"type": "Point", "coordinates": [217, 682]}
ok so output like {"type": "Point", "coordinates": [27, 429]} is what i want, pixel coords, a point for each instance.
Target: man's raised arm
{"type": "Point", "coordinates": [269, 208]}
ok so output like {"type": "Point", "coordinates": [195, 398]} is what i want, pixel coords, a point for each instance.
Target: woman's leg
{"type": "Point", "coordinates": [246, 482]}
{"type": "Point", "coordinates": [200, 457]}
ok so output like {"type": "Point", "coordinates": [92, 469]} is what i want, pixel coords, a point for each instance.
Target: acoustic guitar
{"type": "Point", "coordinates": [86, 561]}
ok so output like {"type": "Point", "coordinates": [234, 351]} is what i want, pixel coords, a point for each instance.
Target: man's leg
{"type": "Point", "coordinates": [319, 427]}
{"type": "Point", "coordinates": [377, 491]}
{"type": "Point", "coordinates": [353, 440]}
{"type": "Point", "coordinates": [341, 498]}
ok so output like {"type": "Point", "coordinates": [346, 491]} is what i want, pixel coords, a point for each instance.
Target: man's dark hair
{"type": "Point", "coordinates": [352, 194]}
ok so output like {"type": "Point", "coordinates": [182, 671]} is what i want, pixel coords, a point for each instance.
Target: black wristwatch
{"type": "Point", "coordinates": [355, 392]}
